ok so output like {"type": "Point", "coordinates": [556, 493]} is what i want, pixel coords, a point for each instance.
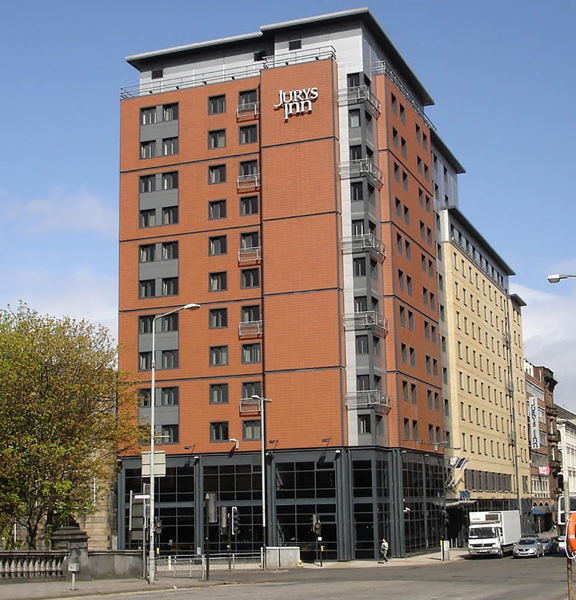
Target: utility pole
{"type": "Point", "coordinates": [569, 563]}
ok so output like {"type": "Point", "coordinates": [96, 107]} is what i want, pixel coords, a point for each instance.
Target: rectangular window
{"type": "Point", "coordinates": [408, 250]}
{"type": "Point", "coordinates": [147, 288]}
{"type": "Point", "coordinates": [361, 344]}
{"type": "Point", "coordinates": [406, 429]}
{"type": "Point", "coordinates": [248, 167]}
{"type": "Point", "coordinates": [216, 105]}
{"type": "Point", "coordinates": [216, 209]}
{"type": "Point", "coordinates": [403, 143]}
{"type": "Point", "coordinates": [147, 149]}
{"type": "Point", "coordinates": [250, 353]}
{"type": "Point", "coordinates": [170, 180]}
{"type": "Point", "coordinates": [218, 356]}
{"type": "Point", "coordinates": [218, 318]}
{"type": "Point", "coordinates": [148, 115]}
{"type": "Point", "coordinates": [402, 114]}
{"type": "Point", "coordinates": [356, 192]}
{"type": "Point", "coordinates": [170, 286]}
{"type": "Point", "coordinates": [251, 431]}
{"type": "Point", "coordinates": [394, 103]}
{"type": "Point", "coordinates": [410, 320]}
{"type": "Point", "coordinates": [354, 118]}
{"type": "Point", "coordinates": [414, 393]}
{"type": "Point", "coordinates": [145, 324]}
{"type": "Point", "coordinates": [247, 98]}
{"type": "Point", "coordinates": [168, 434]}
{"type": "Point", "coordinates": [295, 45]}
{"type": "Point", "coordinates": [145, 361]}
{"type": "Point", "coordinates": [364, 424]}
{"type": "Point", "coordinates": [218, 393]}
{"type": "Point", "coordinates": [216, 174]}
{"type": "Point", "coordinates": [216, 139]}
{"type": "Point", "coordinates": [249, 278]}
{"type": "Point", "coordinates": [147, 184]}
{"type": "Point", "coordinates": [217, 282]}
{"type": "Point", "coordinates": [412, 357]}
{"type": "Point", "coordinates": [167, 323]}
{"type": "Point", "coordinates": [402, 316]}
{"type": "Point", "coordinates": [251, 388]}
{"type": "Point", "coordinates": [249, 314]}
{"type": "Point", "coordinates": [415, 431]}
{"type": "Point", "coordinates": [248, 206]}
{"type": "Point", "coordinates": [219, 431]}
{"type": "Point", "coordinates": [169, 359]}
{"type": "Point", "coordinates": [148, 253]}
{"type": "Point", "coordinates": [148, 218]}
{"type": "Point", "coordinates": [217, 245]}
{"type": "Point", "coordinates": [249, 240]}
{"type": "Point", "coordinates": [359, 267]}
{"type": "Point", "coordinates": [169, 250]}
{"type": "Point", "coordinates": [169, 146]}
{"type": "Point", "coordinates": [248, 134]}
{"type": "Point", "coordinates": [170, 112]}
{"type": "Point", "coordinates": [169, 215]}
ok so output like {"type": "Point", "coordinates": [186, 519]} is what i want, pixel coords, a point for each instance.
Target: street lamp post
{"type": "Point", "coordinates": [262, 407]}
{"type": "Point", "coordinates": [151, 526]}
{"type": "Point", "coordinates": [569, 567]}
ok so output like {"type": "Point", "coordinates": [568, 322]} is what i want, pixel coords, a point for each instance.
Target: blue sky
{"type": "Point", "coordinates": [501, 73]}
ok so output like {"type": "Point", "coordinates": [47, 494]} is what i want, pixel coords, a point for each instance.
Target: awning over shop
{"type": "Point", "coordinates": [458, 503]}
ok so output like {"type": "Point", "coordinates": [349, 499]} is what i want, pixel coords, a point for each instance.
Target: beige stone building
{"type": "Point", "coordinates": [482, 372]}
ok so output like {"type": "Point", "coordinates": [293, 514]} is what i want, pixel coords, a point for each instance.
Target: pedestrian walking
{"type": "Point", "coordinates": [384, 551]}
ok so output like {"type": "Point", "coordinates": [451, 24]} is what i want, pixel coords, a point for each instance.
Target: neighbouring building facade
{"type": "Point", "coordinates": [482, 370]}
{"type": "Point", "coordinates": [284, 181]}
{"type": "Point", "coordinates": [566, 429]}
{"type": "Point", "coordinates": [544, 457]}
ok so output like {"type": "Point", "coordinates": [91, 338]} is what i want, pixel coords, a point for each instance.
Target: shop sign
{"type": "Point", "coordinates": [533, 422]}
{"type": "Point", "coordinates": [296, 102]}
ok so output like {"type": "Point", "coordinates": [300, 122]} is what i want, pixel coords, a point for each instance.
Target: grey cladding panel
{"type": "Point", "coordinates": [164, 341]}
{"type": "Point", "coordinates": [158, 131]}
{"type": "Point", "coordinates": [158, 269]}
{"type": "Point", "coordinates": [158, 199]}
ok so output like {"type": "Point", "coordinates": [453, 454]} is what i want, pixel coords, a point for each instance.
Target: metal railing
{"type": "Point", "coordinates": [383, 68]}
{"type": "Point", "coordinates": [194, 565]}
{"type": "Point", "coordinates": [159, 86]}
{"type": "Point", "coordinates": [250, 254]}
{"type": "Point", "coordinates": [360, 95]}
{"type": "Point", "coordinates": [250, 328]}
{"type": "Point", "coordinates": [369, 399]}
{"type": "Point", "coordinates": [366, 242]}
{"type": "Point", "coordinates": [24, 564]}
{"type": "Point", "coordinates": [362, 167]}
{"type": "Point", "coordinates": [248, 182]}
{"type": "Point", "coordinates": [369, 319]}
{"type": "Point", "coordinates": [249, 405]}
{"type": "Point", "coordinates": [248, 110]}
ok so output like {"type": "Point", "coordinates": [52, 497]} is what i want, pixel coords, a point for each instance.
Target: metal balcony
{"type": "Point", "coordinates": [249, 406]}
{"type": "Point", "coordinates": [250, 255]}
{"type": "Point", "coordinates": [250, 328]}
{"type": "Point", "coordinates": [250, 110]}
{"type": "Point", "coordinates": [509, 388]}
{"type": "Point", "coordinates": [507, 339]}
{"type": "Point", "coordinates": [512, 437]}
{"type": "Point", "coordinates": [363, 167]}
{"type": "Point", "coordinates": [360, 95]}
{"type": "Point", "coordinates": [369, 319]}
{"type": "Point", "coordinates": [247, 183]}
{"type": "Point", "coordinates": [554, 437]}
{"type": "Point", "coordinates": [367, 242]}
{"type": "Point", "coordinates": [369, 399]}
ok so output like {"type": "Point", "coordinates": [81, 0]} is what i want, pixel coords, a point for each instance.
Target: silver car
{"type": "Point", "coordinates": [528, 546]}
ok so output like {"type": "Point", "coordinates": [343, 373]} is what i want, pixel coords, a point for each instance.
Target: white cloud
{"type": "Point", "coordinates": [83, 294]}
{"type": "Point", "coordinates": [61, 211]}
{"type": "Point", "coordinates": [550, 336]}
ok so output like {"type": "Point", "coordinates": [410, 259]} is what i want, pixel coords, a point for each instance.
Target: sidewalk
{"type": "Point", "coordinates": [43, 589]}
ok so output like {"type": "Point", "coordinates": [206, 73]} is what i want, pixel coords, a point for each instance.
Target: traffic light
{"type": "Point", "coordinates": [235, 521]}
{"type": "Point", "coordinates": [316, 525]}
{"type": "Point", "coordinates": [157, 526]}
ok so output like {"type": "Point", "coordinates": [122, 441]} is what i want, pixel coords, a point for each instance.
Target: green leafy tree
{"type": "Point", "coordinates": [65, 411]}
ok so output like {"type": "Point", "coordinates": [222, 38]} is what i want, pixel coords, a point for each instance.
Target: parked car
{"type": "Point", "coordinates": [528, 546]}
{"type": "Point", "coordinates": [561, 544]}
{"type": "Point", "coordinates": [550, 545]}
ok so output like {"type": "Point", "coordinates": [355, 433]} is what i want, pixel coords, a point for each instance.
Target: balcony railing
{"type": "Point", "coordinates": [248, 182]}
{"type": "Point", "coordinates": [248, 110]}
{"type": "Point", "coordinates": [250, 254]}
{"type": "Point", "coordinates": [363, 167]}
{"type": "Point", "coordinates": [367, 242]}
{"type": "Point", "coordinates": [159, 86]}
{"type": "Point", "coordinates": [369, 399]}
{"type": "Point", "coordinates": [249, 406]}
{"type": "Point", "coordinates": [360, 95]}
{"type": "Point", "coordinates": [509, 388]}
{"type": "Point", "coordinates": [369, 319]}
{"type": "Point", "coordinates": [554, 437]}
{"type": "Point", "coordinates": [250, 328]}
{"type": "Point", "coordinates": [506, 338]}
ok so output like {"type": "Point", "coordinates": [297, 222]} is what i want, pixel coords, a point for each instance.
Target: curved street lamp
{"type": "Point", "coordinates": [152, 550]}
{"type": "Point", "coordinates": [557, 277]}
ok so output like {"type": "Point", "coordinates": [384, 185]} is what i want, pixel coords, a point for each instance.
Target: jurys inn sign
{"type": "Point", "coordinates": [296, 102]}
